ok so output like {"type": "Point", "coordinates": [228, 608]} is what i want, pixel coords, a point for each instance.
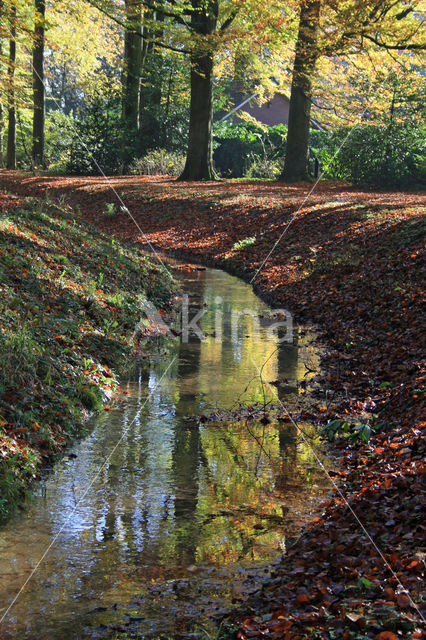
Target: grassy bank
{"type": "Point", "coordinates": [69, 305]}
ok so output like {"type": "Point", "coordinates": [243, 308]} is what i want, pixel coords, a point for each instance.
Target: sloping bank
{"type": "Point", "coordinates": [69, 305]}
{"type": "Point", "coordinates": [353, 262]}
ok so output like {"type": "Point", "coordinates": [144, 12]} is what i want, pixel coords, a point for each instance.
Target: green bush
{"type": "Point", "coordinates": [377, 155]}
{"type": "Point", "coordinates": [24, 132]}
{"type": "Point", "coordinates": [237, 146]}
{"type": "Point", "coordinates": [16, 472]}
{"type": "Point", "coordinates": [264, 167]}
{"type": "Point", "coordinates": [60, 130]}
{"type": "Point", "coordinates": [320, 145]}
{"type": "Point", "coordinates": [92, 398]}
{"type": "Point", "coordinates": [244, 243]}
{"type": "Point", "coordinates": [159, 162]}
{"type": "Point", "coordinates": [97, 139]}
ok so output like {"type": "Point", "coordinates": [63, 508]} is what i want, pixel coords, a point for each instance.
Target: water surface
{"type": "Point", "coordinates": [151, 518]}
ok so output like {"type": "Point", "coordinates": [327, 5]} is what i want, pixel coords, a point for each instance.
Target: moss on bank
{"type": "Point", "coordinates": [69, 304]}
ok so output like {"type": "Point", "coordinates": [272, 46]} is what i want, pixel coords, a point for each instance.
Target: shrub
{"type": "Point", "coordinates": [264, 167]}
{"type": "Point", "coordinates": [92, 398]}
{"type": "Point", "coordinates": [159, 162]}
{"type": "Point", "coordinates": [24, 132]}
{"type": "Point", "coordinates": [244, 243]}
{"type": "Point", "coordinates": [97, 139]}
{"type": "Point", "coordinates": [378, 155]}
{"type": "Point", "coordinates": [60, 130]}
{"type": "Point", "coordinates": [237, 145]}
{"type": "Point", "coordinates": [110, 210]}
{"type": "Point", "coordinates": [18, 466]}
{"type": "Point", "coordinates": [320, 147]}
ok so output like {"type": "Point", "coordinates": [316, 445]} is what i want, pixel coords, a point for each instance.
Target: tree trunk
{"type": "Point", "coordinates": [38, 85]}
{"type": "Point", "coordinates": [147, 78]}
{"type": "Point", "coordinates": [131, 80]}
{"type": "Point", "coordinates": [1, 132]}
{"type": "Point", "coordinates": [296, 165]}
{"type": "Point", "coordinates": [11, 132]}
{"type": "Point", "coordinates": [1, 103]}
{"type": "Point", "coordinates": [199, 157]}
{"type": "Point", "coordinates": [157, 63]}
{"type": "Point", "coordinates": [132, 65]}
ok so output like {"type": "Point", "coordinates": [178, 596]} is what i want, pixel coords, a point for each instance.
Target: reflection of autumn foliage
{"type": "Point", "coordinates": [352, 262]}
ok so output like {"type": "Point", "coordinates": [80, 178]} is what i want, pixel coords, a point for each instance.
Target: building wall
{"type": "Point", "coordinates": [271, 113]}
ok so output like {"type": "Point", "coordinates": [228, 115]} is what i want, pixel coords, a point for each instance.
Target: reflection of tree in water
{"type": "Point", "coordinates": [288, 358]}
{"type": "Point", "coordinates": [189, 467]}
{"type": "Point", "coordinates": [129, 506]}
{"type": "Point", "coordinates": [186, 456]}
{"type": "Point", "coordinates": [288, 362]}
{"type": "Point", "coordinates": [288, 456]}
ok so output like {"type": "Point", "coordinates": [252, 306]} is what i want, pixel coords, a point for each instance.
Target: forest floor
{"type": "Point", "coordinates": [352, 262]}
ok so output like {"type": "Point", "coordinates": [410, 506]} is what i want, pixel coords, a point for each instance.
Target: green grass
{"type": "Point", "coordinates": [69, 304]}
{"type": "Point", "coordinates": [244, 244]}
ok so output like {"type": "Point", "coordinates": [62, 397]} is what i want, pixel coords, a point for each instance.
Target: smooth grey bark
{"type": "Point", "coordinates": [132, 65]}
{"type": "Point", "coordinates": [11, 107]}
{"type": "Point", "coordinates": [296, 166]}
{"type": "Point", "coordinates": [157, 58]}
{"type": "Point", "coordinates": [131, 79]}
{"type": "Point", "coordinates": [38, 85]}
{"type": "Point", "coordinates": [199, 158]}
{"type": "Point", "coordinates": [150, 88]}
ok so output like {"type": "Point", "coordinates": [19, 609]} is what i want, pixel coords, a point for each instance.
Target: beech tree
{"type": "Point", "coordinates": [132, 64]}
{"type": "Point", "coordinates": [15, 26]}
{"type": "Point", "coordinates": [11, 106]}
{"type": "Point", "coordinates": [199, 19]}
{"type": "Point", "coordinates": [143, 29]}
{"type": "Point", "coordinates": [261, 25]}
{"type": "Point", "coordinates": [2, 123]}
{"type": "Point", "coordinates": [131, 77]}
{"type": "Point", "coordinates": [199, 158]}
{"type": "Point", "coordinates": [306, 55]}
{"type": "Point", "coordinates": [38, 85]}
{"type": "Point", "coordinates": [331, 28]}
{"type": "Point", "coordinates": [195, 28]}
{"type": "Point", "coordinates": [143, 26]}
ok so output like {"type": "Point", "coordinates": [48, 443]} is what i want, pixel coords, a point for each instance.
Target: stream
{"type": "Point", "coordinates": [156, 522]}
